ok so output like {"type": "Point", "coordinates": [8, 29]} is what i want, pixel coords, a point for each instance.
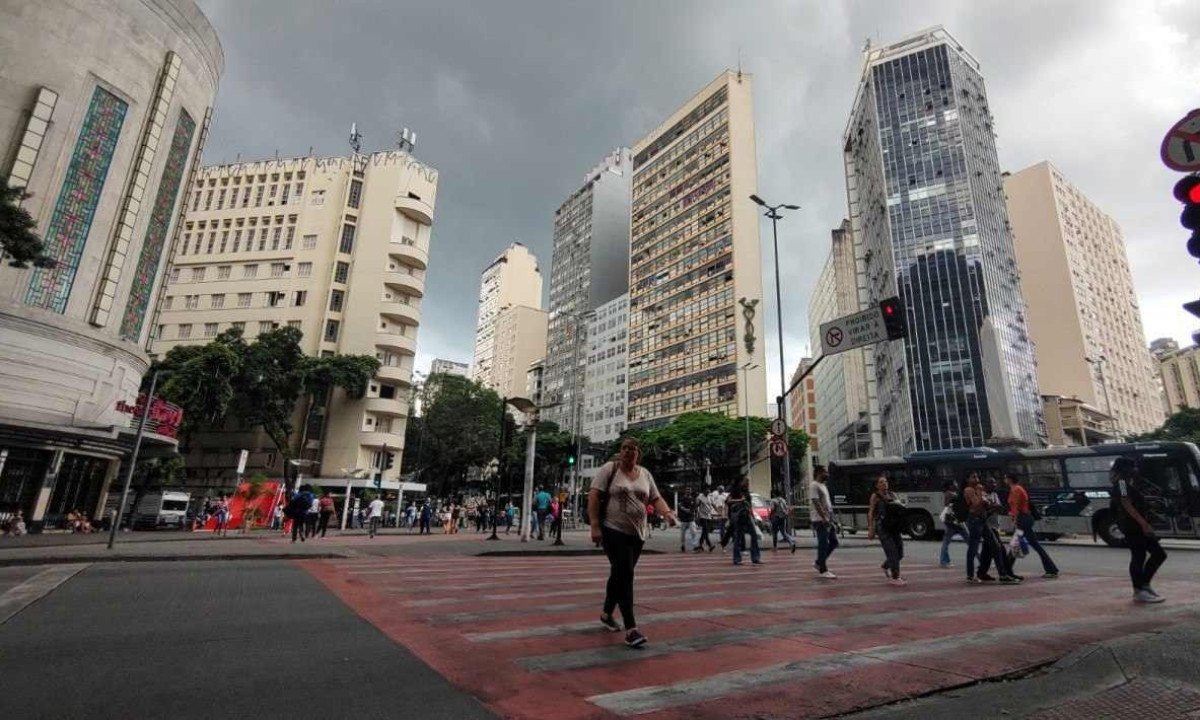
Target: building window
{"type": "Point", "coordinates": [187, 237]}
{"type": "Point", "coordinates": [185, 331]}
{"type": "Point", "coordinates": [341, 272]}
{"type": "Point", "coordinates": [310, 242]}
{"type": "Point", "coordinates": [237, 240]}
{"type": "Point", "coordinates": [258, 196]}
{"type": "Point", "coordinates": [221, 200]}
{"type": "Point", "coordinates": [196, 201]}
{"type": "Point", "coordinates": [168, 302]}
{"type": "Point", "coordinates": [174, 275]}
{"type": "Point", "coordinates": [294, 324]}
{"type": "Point", "coordinates": [244, 299]}
{"type": "Point", "coordinates": [265, 326]}
{"type": "Point", "coordinates": [223, 272]}
{"type": "Point", "coordinates": [208, 200]}
{"type": "Point", "coordinates": [246, 197]}
{"type": "Point", "coordinates": [262, 239]}
{"type": "Point", "coordinates": [224, 240]}
{"type": "Point", "coordinates": [347, 243]}
{"type": "Point", "coordinates": [198, 274]}
{"type": "Point", "coordinates": [191, 302]}
{"type": "Point", "coordinates": [299, 297]}
{"type": "Point", "coordinates": [317, 198]}
{"type": "Point", "coordinates": [250, 272]}
{"type": "Point", "coordinates": [331, 330]}
{"type": "Point", "coordinates": [278, 269]}
{"type": "Point", "coordinates": [336, 300]}
{"type": "Point", "coordinates": [304, 269]}
{"type": "Point", "coordinates": [210, 329]}
{"type": "Point", "coordinates": [355, 194]}
{"type": "Point", "coordinates": [212, 239]}
{"type": "Point", "coordinates": [218, 301]}
{"type": "Point", "coordinates": [283, 199]}
{"type": "Point", "coordinates": [289, 238]}
{"type": "Point", "coordinates": [275, 238]}
{"type": "Point", "coordinates": [239, 326]}
{"type": "Point", "coordinates": [275, 297]}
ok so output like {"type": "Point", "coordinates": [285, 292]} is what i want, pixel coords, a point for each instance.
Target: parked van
{"type": "Point", "coordinates": [164, 509]}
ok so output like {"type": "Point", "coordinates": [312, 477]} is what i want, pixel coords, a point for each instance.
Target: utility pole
{"type": "Point", "coordinates": [137, 447]}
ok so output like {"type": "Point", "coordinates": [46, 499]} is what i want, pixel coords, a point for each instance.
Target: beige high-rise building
{"type": "Point", "coordinates": [1180, 372]}
{"type": "Point", "coordinates": [334, 246]}
{"type": "Point", "coordinates": [513, 278]}
{"type": "Point", "coordinates": [695, 290]}
{"type": "Point", "coordinates": [802, 404]}
{"type": "Point", "coordinates": [1083, 311]}
{"type": "Point", "coordinates": [520, 341]}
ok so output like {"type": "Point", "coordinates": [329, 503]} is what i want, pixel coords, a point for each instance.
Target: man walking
{"type": "Point", "coordinates": [686, 514]}
{"type": "Point", "coordinates": [1133, 517]}
{"type": "Point", "coordinates": [779, 515]}
{"type": "Point", "coordinates": [374, 516]}
{"type": "Point", "coordinates": [426, 519]}
{"type": "Point", "coordinates": [951, 523]}
{"type": "Point", "coordinates": [704, 514]}
{"type": "Point", "coordinates": [820, 513]}
{"type": "Point", "coordinates": [541, 502]}
{"type": "Point", "coordinates": [1021, 513]}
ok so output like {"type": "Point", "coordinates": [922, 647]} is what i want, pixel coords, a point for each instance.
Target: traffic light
{"type": "Point", "coordinates": [1187, 191]}
{"type": "Point", "coordinates": [389, 459]}
{"type": "Point", "coordinates": [893, 318]}
{"type": "Point", "coordinates": [570, 459]}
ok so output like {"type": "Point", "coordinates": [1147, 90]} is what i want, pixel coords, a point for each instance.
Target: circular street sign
{"type": "Point", "coordinates": [834, 336]}
{"type": "Point", "coordinates": [778, 448]}
{"type": "Point", "coordinates": [778, 426]}
{"type": "Point", "coordinates": [1181, 147]}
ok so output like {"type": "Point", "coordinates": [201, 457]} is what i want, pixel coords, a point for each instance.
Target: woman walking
{"type": "Point", "coordinates": [885, 518]}
{"type": "Point", "coordinates": [1133, 515]}
{"type": "Point", "coordinates": [741, 522]}
{"type": "Point", "coordinates": [623, 488]}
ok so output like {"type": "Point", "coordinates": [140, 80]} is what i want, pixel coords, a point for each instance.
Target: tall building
{"type": "Point", "coordinates": [695, 288]}
{"type": "Point", "coordinates": [1161, 347]}
{"type": "Point", "coordinates": [512, 278]}
{"type": "Point", "coordinates": [929, 223]}
{"type": "Point", "coordinates": [1083, 311]}
{"type": "Point", "coordinates": [840, 381]}
{"type": "Point", "coordinates": [104, 107]}
{"type": "Point", "coordinates": [590, 267]}
{"type": "Point", "coordinates": [520, 341]}
{"type": "Point", "coordinates": [334, 246]}
{"type": "Point", "coordinates": [1180, 370]}
{"type": "Point", "coordinates": [802, 404]}
{"type": "Point", "coordinates": [607, 363]}
{"type": "Point", "coordinates": [449, 367]}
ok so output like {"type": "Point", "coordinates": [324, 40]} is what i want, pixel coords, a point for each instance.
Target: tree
{"type": "Point", "coordinates": [269, 384]}
{"type": "Point", "coordinates": [320, 375]}
{"type": "Point", "coordinates": [553, 448]}
{"type": "Point", "coordinates": [1182, 426]}
{"type": "Point", "coordinates": [200, 379]}
{"type": "Point", "coordinates": [19, 243]}
{"type": "Point", "coordinates": [461, 427]}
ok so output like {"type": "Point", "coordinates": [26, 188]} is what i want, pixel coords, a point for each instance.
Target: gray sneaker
{"type": "Point", "coordinates": [1146, 597]}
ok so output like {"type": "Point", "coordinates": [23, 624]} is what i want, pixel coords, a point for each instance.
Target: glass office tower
{"type": "Point", "coordinates": [930, 224]}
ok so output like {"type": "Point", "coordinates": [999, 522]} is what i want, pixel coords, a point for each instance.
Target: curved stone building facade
{"type": "Point", "coordinates": [104, 106]}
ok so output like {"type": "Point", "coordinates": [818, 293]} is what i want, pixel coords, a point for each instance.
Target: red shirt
{"type": "Point", "coordinates": [1018, 501]}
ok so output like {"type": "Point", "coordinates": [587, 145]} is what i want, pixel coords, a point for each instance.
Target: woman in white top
{"type": "Point", "coordinates": [629, 488]}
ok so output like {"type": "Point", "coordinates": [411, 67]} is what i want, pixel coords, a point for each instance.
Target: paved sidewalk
{"type": "Point", "coordinates": [1152, 674]}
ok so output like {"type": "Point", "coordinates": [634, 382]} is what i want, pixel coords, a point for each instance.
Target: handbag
{"type": "Point", "coordinates": [604, 495]}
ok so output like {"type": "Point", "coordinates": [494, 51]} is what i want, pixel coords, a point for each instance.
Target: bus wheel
{"type": "Point", "coordinates": [1109, 531]}
{"type": "Point", "coordinates": [920, 526]}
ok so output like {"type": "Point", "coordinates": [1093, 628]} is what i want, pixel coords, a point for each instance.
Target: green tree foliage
{"type": "Point", "coordinates": [461, 429]}
{"type": "Point", "coordinates": [19, 242]}
{"type": "Point", "coordinates": [1182, 426]}
{"type": "Point", "coordinates": [550, 464]}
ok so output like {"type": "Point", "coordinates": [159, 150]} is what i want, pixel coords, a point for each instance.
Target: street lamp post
{"type": "Point", "coordinates": [500, 466]}
{"type": "Point", "coordinates": [772, 211]}
{"type": "Point", "coordinates": [1099, 363]}
{"type": "Point", "coordinates": [133, 457]}
{"type": "Point", "coordinates": [745, 373]}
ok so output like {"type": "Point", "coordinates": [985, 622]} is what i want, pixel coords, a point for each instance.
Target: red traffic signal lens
{"type": "Point", "coordinates": [889, 309]}
{"type": "Point", "coordinates": [1187, 190]}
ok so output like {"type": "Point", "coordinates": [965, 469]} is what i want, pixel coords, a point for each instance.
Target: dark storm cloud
{"type": "Point", "coordinates": [514, 101]}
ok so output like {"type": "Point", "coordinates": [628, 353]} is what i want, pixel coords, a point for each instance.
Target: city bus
{"type": "Point", "coordinates": [1070, 486]}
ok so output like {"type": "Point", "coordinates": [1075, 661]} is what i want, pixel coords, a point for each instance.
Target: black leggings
{"type": "Point", "coordinates": [1141, 569]}
{"type": "Point", "coordinates": [623, 551]}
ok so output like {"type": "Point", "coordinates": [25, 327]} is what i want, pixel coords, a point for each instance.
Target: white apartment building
{"type": "Point", "coordinates": [449, 367]}
{"type": "Point", "coordinates": [1083, 310]}
{"type": "Point", "coordinates": [607, 362]}
{"type": "Point", "coordinates": [336, 247]}
{"type": "Point", "coordinates": [520, 340]}
{"type": "Point", "coordinates": [513, 278]}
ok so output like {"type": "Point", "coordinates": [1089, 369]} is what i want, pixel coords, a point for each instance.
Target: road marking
{"type": "Point", "coordinates": [660, 697]}
{"type": "Point", "coordinates": [35, 588]}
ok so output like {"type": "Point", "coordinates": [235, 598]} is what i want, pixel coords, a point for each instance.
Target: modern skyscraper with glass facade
{"type": "Point", "coordinates": [930, 224]}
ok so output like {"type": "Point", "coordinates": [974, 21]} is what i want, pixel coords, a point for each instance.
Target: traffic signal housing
{"type": "Point", "coordinates": [1187, 191]}
{"type": "Point", "coordinates": [389, 460]}
{"type": "Point", "coordinates": [893, 318]}
{"type": "Point", "coordinates": [570, 459]}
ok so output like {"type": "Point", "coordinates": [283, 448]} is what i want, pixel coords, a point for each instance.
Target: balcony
{"type": "Point", "coordinates": [395, 407]}
{"type": "Point", "coordinates": [394, 441]}
{"type": "Point", "coordinates": [402, 344]}
{"type": "Point", "coordinates": [404, 312]}
{"type": "Point", "coordinates": [415, 208]}
{"type": "Point", "coordinates": [409, 253]}
{"type": "Point", "coordinates": [404, 282]}
{"type": "Point", "coordinates": [395, 374]}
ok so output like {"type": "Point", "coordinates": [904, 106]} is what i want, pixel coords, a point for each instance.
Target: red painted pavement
{"type": "Point", "coordinates": [418, 602]}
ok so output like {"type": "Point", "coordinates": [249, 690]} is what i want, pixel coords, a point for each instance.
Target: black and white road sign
{"type": "Point", "coordinates": [779, 448]}
{"type": "Point", "coordinates": [778, 426]}
{"type": "Point", "coordinates": [1181, 147]}
{"type": "Point", "coordinates": [852, 331]}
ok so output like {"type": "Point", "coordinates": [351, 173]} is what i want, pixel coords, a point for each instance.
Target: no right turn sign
{"type": "Point", "coordinates": [1181, 147]}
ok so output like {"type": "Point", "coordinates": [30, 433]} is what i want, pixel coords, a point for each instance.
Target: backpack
{"type": "Point", "coordinates": [298, 507]}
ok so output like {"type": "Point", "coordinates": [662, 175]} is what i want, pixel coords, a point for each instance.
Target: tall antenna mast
{"type": "Point", "coordinates": [406, 140]}
{"type": "Point", "coordinates": [355, 138]}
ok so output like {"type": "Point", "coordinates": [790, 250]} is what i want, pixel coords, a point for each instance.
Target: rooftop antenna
{"type": "Point", "coordinates": [406, 139]}
{"type": "Point", "coordinates": [355, 138]}
{"type": "Point", "coordinates": [739, 63]}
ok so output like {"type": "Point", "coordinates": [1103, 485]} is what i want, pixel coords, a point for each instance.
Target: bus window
{"type": "Point", "coordinates": [1043, 474]}
{"type": "Point", "coordinates": [1089, 472]}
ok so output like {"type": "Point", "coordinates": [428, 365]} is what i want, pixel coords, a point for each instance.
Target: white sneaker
{"type": "Point", "coordinates": [898, 582]}
{"type": "Point", "coordinates": [827, 576]}
{"type": "Point", "coordinates": [1147, 597]}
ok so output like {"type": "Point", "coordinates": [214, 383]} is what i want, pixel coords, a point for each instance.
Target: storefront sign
{"type": "Point", "coordinates": [164, 418]}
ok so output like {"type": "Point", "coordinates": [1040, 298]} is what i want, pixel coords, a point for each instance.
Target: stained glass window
{"type": "Point", "coordinates": [67, 233]}
{"type": "Point", "coordinates": [156, 231]}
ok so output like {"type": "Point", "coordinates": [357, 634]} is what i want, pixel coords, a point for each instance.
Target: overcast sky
{"type": "Point", "coordinates": [514, 101]}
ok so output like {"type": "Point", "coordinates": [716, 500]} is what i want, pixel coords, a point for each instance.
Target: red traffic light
{"type": "Point", "coordinates": [1187, 190]}
{"type": "Point", "coordinates": [893, 318]}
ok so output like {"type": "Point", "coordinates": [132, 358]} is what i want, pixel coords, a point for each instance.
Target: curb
{"type": "Point", "coordinates": [63, 560]}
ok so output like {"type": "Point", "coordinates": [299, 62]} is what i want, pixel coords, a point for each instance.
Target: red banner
{"type": "Point", "coordinates": [164, 418]}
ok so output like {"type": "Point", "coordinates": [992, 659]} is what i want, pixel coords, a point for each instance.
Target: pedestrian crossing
{"type": "Point", "coordinates": [522, 633]}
